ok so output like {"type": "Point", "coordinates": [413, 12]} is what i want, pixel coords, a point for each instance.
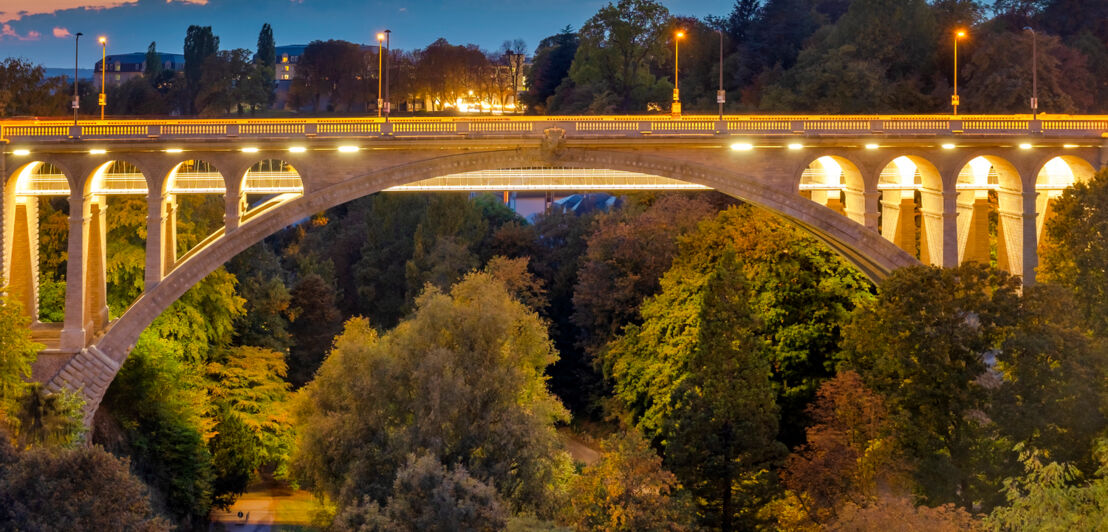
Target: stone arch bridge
{"type": "Point", "coordinates": [884, 191]}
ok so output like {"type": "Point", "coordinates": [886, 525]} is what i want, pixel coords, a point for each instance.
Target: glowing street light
{"type": "Point", "coordinates": [380, 58]}
{"type": "Point", "coordinates": [675, 111]}
{"type": "Point", "coordinates": [954, 98]}
{"type": "Point", "coordinates": [103, 74]}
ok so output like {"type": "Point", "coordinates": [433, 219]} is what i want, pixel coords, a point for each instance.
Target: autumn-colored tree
{"type": "Point", "coordinates": [848, 455]}
{"type": "Point", "coordinates": [316, 321]}
{"type": "Point", "coordinates": [521, 283]}
{"type": "Point", "coordinates": [900, 513]}
{"type": "Point", "coordinates": [628, 489]}
{"type": "Point", "coordinates": [1051, 496]}
{"type": "Point", "coordinates": [17, 352]}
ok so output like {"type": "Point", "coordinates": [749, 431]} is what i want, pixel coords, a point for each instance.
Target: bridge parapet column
{"type": "Point", "coordinates": [21, 255]}
{"type": "Point", "coordinates": [234, 177]}
{"type": "Point", "coordinates": [161, 228]}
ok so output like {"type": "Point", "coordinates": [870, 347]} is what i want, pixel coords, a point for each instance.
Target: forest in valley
{"type": "Point", "coordinates": [437, 362]}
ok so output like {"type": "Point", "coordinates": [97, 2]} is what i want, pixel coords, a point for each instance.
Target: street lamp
{"type": "Point", "coordinates": [675, 111]}
{"type": "Point", "coordinates": [76, 100]}
{"type": "Point", "coordinates": [388, 53]}
{"type": "Point", "coordinates": [1034, 73]}
{"type": "Point", "coordinates": [380, 58]}
{"type": "Point", "coordinates": [103, 75]}
{"type": "Point", "coordinates": [720, 95]}
{"type": "Point", "coordinates": [954, 98]}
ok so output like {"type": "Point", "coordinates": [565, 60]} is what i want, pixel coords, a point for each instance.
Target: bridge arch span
{"type": "Point", "coordinates": [865, 248]}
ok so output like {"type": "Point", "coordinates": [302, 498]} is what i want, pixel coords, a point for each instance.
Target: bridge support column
{"type": "Point", "coordinates": [86, 307]}
{"type": "Point", "coordinates": [161, 237]}
{"type": "Point", "coordinates": [22, 281]}
{"type": "Point", "coordinates": [871, 212]}
{"type": "Point", "coordinates": [940, 214]}
{"type": "Point", "coordinates": [973, 227]}
{"type": "Point", "coordinates": [234, 205]}
{"type": "Point", "coordinates": [1018, 228]}
{"type": "Point", "coordinates": [856, 207]}
{"type": "Point", "coordinates": [898, 223]}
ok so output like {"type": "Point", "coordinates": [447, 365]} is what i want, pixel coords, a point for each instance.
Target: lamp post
{"type": "Point", "coordinates": [76, 100]}
{"type": "Point", "coordinates": [380, 59]}
{"type": "Point", "coordinates": [388, 107]}
{"type": "Point", "coordinates": [1034, 73]}
{"type": "Point", "coordinates": [675, 111]}
{"type": "Point", "coordinates": [954, 98]}
{"type": "Point", "coordinates": [720, 95]}
{"type": "Point", "coordinates": [103, 74]}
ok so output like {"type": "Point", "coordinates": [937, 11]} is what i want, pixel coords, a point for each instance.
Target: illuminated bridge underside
{"type": "Point", "coordinates": [564, 179]}
{"type": "Point", "coordinates": [883, 191]}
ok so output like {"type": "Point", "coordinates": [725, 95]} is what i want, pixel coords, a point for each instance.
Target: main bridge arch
{"type": "Point", "coordinates": [328, 184]}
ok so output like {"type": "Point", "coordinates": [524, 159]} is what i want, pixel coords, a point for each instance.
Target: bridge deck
{"type": "Point", "coordinates": [1061, 126]}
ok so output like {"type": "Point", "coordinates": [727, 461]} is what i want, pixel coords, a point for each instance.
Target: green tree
{"type": "Point", "coordinates": [611, 71]}
{"type": "Point", "coordinates": [428, 497]}
{"type": "Point", "coordinates": [200, 44]}
{"type": "Point", "coordinates": [234, 457]}
{"type": "Point", "coordinates": [461, 379]}
{"type": "Point", "coordinates": [549, 67]}
{"type": "Point", "coordinates": [1073, 254]}
{"type": "Point", "coordinates": [335, 71]}
{"type": "Point", "coordinates": [266, 60]}
{"type": "Point", "coordinates": [50, 419]}
{"type": "Point", "coordinates": [997, 77]}
{"type": "Point", "coordinates": [83, 488]}
{"type": "Point", "coordinates": [721, 434]}
{"type": "Point", "coordinates": [628, 489]}
{"type": "Point", "coordinates": [267, 307]}
{"type": "Point", "coordinates": [1046, 498]}
{"type": "Point", "coordinates": [17, 353]}
{"type": "Point", "coordinates": [316, 322]}
{"type": "Point", "coordinates": [126, 253]}
{"type": "Point", "coordinates": [922, 345]}
{"type": "Point", "coordinates": [152, 68]}
{"type": "Point", "coordinates": [25, 90]}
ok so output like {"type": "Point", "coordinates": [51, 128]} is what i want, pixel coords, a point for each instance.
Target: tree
{"type": "Point", "coordinates": [628, 489]}
{"type": "Point", "coordinates": [152, 69]}
{"type": "Point", "coordinates": [267, 308]}
{"type": "Point", "coordinates": [922, 345]}
{"type": "Point", "coordinates": [428, 497]}
{"type": "Point", "coordinates": [549, 67]}
{"type": "Point", "coordinates": [628, 252]}
{"type": "Point", "coordinates": [997, 77]}
{"type": "Point", "coordinates": [332, 71]}
{"type": "Point", "coordinates": [847, 455]}
{"type": "Point", "coordinates": [611, 69]}
{"type": "Point", "coordinates": [900, 513]}
{"type": "Point", "coordinates": [25, 90]}
{"type": "Point", "coordinates": [249, 384]}
{"type": "Point", "coordinates": [1073, 254]}
{"type": "Point", "coordinates": [315, 323]}
{"type": "Point", "coordinates": [234, 457]}
{"type": "Point", "coordinates": [266, 59]}
{"type": "Point", "coordinates": [17, 353]}
{"type": "Point", "coordinates": [83, 488]}
{"type": "Point", "coordinates": [49, 419]}
{"type": "Point", "coordinates": [721, 434]}
{"type": "Point", "coordinates": [1045, 498]}
{"type": "Point", "coordinates": [461, 379]}
{"type": "Point", "coordinates": [200, 44]}
{"type": "Point", "coordinates": [230, 81]}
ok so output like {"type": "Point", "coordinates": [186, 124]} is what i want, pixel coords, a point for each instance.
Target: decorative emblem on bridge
{"type": "Point", "coordinates": [553, 141]}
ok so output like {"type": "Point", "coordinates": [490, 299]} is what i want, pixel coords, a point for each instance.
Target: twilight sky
{"type": "Point", "coordinates": [41, 30]}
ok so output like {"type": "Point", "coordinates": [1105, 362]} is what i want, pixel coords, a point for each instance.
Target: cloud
{"type": "Point", "coordinates": [6, 31]}
{"type": "Point", "coordinates": [60, 32]}
{"type": "Point", "coordinates": [41, 7]}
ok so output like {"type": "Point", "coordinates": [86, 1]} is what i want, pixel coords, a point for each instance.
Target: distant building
{"type": "Point", "coordinates": [122, 67]}
{"type": "Point", "coordinates": [287, 58]}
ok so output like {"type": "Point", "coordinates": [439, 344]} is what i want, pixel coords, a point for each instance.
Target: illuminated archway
{"type": "Point", "coordinates": [267, 184]}
{"type": "Point", "coordinates": [990, 211]}
{"type": "Point", "coordinates": [1053, 179]}
{"type": "Point", "coordinates": [836, 183]}
{"type": "Point", "coordinates": [910, 207]}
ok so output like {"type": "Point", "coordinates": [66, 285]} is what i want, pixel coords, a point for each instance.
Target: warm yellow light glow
{"type": "Point", "coordinates": [960, 34]}
{"type": "Point", "coordinates": [174, 150]}
{"type": "Point", "coordinates": [979, 170]}
{"type": "Point", "coordinates": [103, 40]}
{"type": "Point", "coordinates": [1057, 172]}
{"type": "Point", "coordinates": [298, 149]}
{"type": "Point", "coordinates": [98, 152]}
{"type": "Point", "coordinates": [380, 36]}
{"type": "Point", "coordinates": [680, 34]}
{"type": "Point", "coordinates": [348, 149]}
{"type": "Point", "coordinates": [250, 150]}
{"type": "Point", "coordinates": [1025, 146]}
{"type": "Point", "coordinates": [742, 146]}
{"type": "Point", "coordinates": [21, 153]}
{"type": "Point", "coordinates": [872, 146]}
{"type": "Point", "coordinates": [948, 146]}
{"type": "Point", "coordinates": [906, 169]}
{"type": "Point", "coordinates": [1069, 146]}
{"type": "Point", "coordinates": [796, 146]}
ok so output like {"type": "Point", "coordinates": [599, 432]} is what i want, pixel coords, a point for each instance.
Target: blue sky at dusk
{"type": "Point", "coordinates": [41, 30]}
